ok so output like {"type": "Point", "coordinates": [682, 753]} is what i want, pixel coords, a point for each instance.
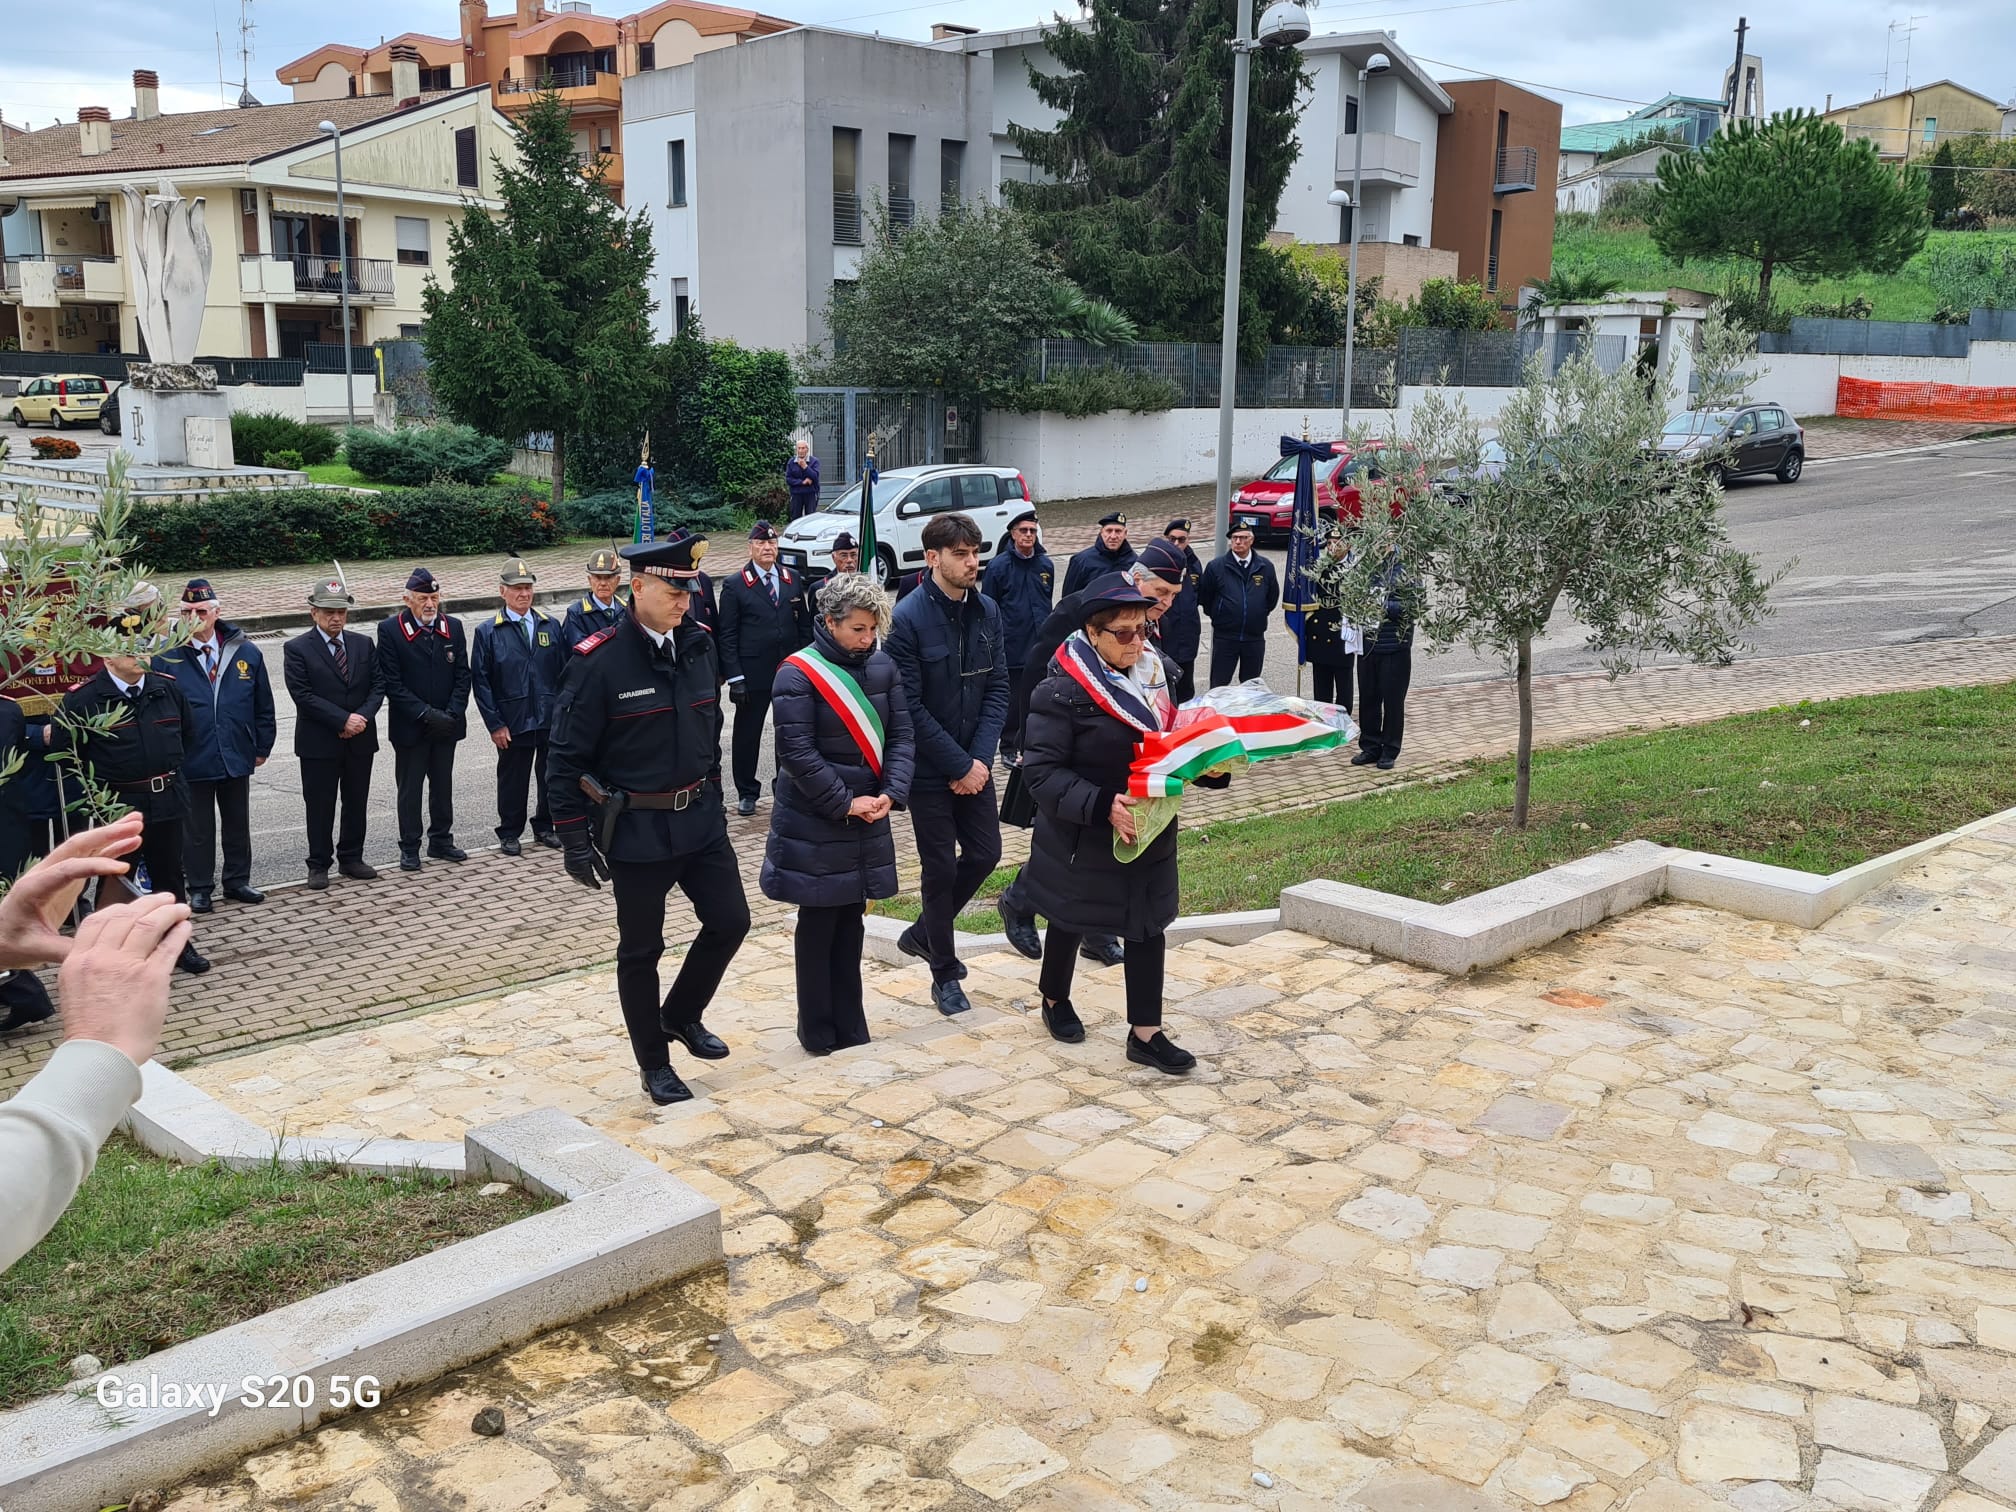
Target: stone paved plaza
{"type": "Point", "coordinates": [1688, 1211]}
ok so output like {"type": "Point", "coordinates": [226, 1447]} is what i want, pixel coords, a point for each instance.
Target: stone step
{"type": "Point", "coordinates": [143, 479]}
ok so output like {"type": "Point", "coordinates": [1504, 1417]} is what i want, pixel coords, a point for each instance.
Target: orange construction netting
{"type": "Point", "coordinates": [1866, 399]}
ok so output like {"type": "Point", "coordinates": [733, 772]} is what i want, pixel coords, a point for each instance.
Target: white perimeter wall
{"type": "Point", "coordinates": [1806, 384]}
{"type": "Point", "coordinates": [1121, 453]}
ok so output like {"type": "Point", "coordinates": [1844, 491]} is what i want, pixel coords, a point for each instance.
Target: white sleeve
{"type": "Point", "coordinates": [50, 1133]}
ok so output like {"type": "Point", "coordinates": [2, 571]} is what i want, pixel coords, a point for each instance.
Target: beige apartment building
{"type": "Point", "coordinates": [1911, 123]}
{"type": "Point", "coordinates": [266, 175]}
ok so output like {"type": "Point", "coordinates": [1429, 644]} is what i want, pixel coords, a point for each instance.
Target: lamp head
{"type": "Point", "coordinates": [1377, 64]}
{"type": "Point", "coordinates": [1340, 197]}
{"type": "Point", "coordinates": [1285, 24]}
{"type": "Point", "coordinates": [327, 128]}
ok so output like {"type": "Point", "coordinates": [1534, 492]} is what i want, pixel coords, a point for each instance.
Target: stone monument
{"type": "Point", "coordinates": [173, 413]}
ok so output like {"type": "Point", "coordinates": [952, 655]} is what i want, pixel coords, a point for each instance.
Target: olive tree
{"type": "Point", "coordinates": [1585, 513]}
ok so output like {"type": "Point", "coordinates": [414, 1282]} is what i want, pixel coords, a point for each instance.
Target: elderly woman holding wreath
{"type": "Point", "coordinates": [845, 756]}
{"type": "Point", "coordinates": [1106, 689]}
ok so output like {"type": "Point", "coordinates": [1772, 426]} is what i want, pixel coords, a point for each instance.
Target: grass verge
{"type": "Point", "coordinates": [341, 474]}
{"type": "Point", "coordinates": [1816, 786]}
{"type": "Point", "coordinates": [152, 1253]}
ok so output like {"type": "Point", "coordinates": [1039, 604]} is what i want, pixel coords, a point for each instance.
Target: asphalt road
{"type": "Point", "coordinates": [1889, 551]}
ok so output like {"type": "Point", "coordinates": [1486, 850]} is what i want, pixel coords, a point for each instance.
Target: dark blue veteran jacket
{"type": "Point", "coordinates": [1181, 628]}
{"type": "Point", "coordinates": [231, 724]}
{"type": "Point", "coordinates": [1022, 587]}
{"type": "Point", "coordinates": [955, 678]}
{"type": "Point", "coordinates": [1238, 600]}
{"type": "Point", "coordinates": [514, 681]}
{"type": "Point", "coordinates": [585, 617]}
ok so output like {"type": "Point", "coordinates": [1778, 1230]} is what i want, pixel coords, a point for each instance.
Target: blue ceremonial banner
{"type": "Point", "coordinates": [1298, 593]}
{"type": "Point", "coordinates": [647, 521]}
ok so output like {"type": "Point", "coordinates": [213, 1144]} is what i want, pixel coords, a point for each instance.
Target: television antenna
{"type": "Point", "coordinates": [1910, 27]}
{"type": "Point", "coordinates": [246, 100]}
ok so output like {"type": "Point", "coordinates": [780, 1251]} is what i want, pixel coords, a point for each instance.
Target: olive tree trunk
{"type": "Point", "coordinates": [1523, 784]}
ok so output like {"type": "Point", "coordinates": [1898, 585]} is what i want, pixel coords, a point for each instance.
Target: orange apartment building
{"type": "Point", "coordinates": [533, 47]}
{"type": "Point", "coordinates": [1495, 164]}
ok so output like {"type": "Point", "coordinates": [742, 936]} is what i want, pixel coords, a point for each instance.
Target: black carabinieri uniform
{"type": "Point", "coordinates": [645, 721]}
{"type": "Point", "coordinates": [140, 759]}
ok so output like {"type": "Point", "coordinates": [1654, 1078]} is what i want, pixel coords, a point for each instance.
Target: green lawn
{"type": "Point", "coordinates": [1815, 786]}
{"type": "Point", "coordinates": [341, 474]}
{"type": "Point", "coordinates": [1628, 255]}
{"type": "Point", "coordinates": [152, 1253]}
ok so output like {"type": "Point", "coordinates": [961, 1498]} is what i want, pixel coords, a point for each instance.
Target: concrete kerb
{"type": "Point", "coordinates": [625, 1226]}
{"type": "Point", "coordinates": [1492, 927]}
{"type": "Point", "coordinates": [1225, 928]}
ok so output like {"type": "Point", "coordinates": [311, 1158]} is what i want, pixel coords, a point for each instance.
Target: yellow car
{"type": "Point", "coordinates": [62, 400]}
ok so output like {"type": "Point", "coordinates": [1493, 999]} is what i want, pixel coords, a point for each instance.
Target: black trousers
{"type": "Point", "coordinates": [222, 805]}
{"type": "Point", "coordinates": [1182, 679]}
{"type": "Point", "coordinates": [23, 1000]}
{"type": "Point", "coordinates": [1333, 681]}
{"type": "Point", "coordinates": [827, 949]}
{"type": "Point", "coordinates": [1011, 727]}
{"type": "Point", "coordinates": [431, 764]}
{"type": "Point", "coordinates": [323, 780]}
{"type": "Point", "coordinates": [1235, 660]}
{"type": "Point", "coordinates": [1382, 700]}
{"type": "Point", "coordinates": [524, 758]}
{"type": "Point", "coordinates": [161, 852]}
{"type": "Point", "coordinates": [958, 846]}
{"type": "Point", "coordinates": [1143, 968]}
{"type": "Point", "coordinates": [751, 714]}
{"type": "Point", "coordinates": [713, 885]}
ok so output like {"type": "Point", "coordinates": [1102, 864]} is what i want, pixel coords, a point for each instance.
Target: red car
{"type": "Point", "coordinates": [1268, 502]}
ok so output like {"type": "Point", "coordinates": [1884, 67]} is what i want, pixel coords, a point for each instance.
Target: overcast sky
{"type": "Point", "coordinates": [1600, 58]}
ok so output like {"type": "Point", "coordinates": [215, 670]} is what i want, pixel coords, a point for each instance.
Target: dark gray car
{"type": "Point", "coordinates": [1739, 442]}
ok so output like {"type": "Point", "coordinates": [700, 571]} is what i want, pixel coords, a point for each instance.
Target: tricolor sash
{"type": "Point", "coordinates": [1081, 663]}
{"type": "Point", "coordinates": [847, 698]}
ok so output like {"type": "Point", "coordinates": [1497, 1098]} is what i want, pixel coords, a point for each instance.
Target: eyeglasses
{"type": "Point", "coordinates": [1125, 637]}
{"type": "Point", "coordinates": [1028, 530]}
{"type": "Point", "coordinates": [1179, 540]}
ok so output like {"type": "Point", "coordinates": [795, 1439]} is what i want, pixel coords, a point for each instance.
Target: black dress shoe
{"type": "Point", "coordinates": [409, 860]}
{"type": "Point", "coordinates": [815, 1049]}
{"type": "Point", "coordinates": [662, 1086]}
{"type": "Point", "coordinates": [697, 1038]}
{"type": "Point", "coordinates": [190, 961]}
{"type": "Point", "coordinates": [1102, 950]}
{"type": "Point", "coordinates": [511, 847]}
{"type": "Point", "coordinates": [1160, 1053]}
{"type": "Point", "coordinates": [199, 900]}
{"type": "Point", "coordinates": [357, 871]}
{"type": "Point", "coordinates": [911, 943]}
{"type": "Point", "coordinates": [950, 997]}
{"type": "Point", "coordinates": [318, 879]}
{"type": "Point", "coordinates": [1385, 763]}
{"type": "Point", "coordinates": [1364, 758]}
{"type": "Point", "coordinates": [1021, 929]}
{"type": "Point", "coordinates": [547, 838]}
{"type": "Point", "coordinates": [447, 853]}
{"type": "Point", "coordinates": [244, 895]}
{"type": "Point", "coordinates": [745, 806]}
{"type": "Point", "coordinates": [1062, 1020]}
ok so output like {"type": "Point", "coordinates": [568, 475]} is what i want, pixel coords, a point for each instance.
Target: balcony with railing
{"type": "Point", "coordinates": [1518, 171]}
{"type": "Point", "coordinates": [902, 211]}
{"type": "Point", "coordinates": [1389, 159]}
{"type": "Point", "coordinates": [312, 278]}
{"type": "Point", "coordinates": [577, 86]}
{"type": "Point", "coordinates": [846, 218]}
{"type": "Point", "coordinates": [47, 281]}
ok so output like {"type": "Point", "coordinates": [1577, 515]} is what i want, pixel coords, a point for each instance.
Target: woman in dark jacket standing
{"type": "Point", "coordinates": [845, 757]}
{"type": "Point", "coordinates": [1106, 689]}
{"type": "Point", "coordinates": [1334, 646]}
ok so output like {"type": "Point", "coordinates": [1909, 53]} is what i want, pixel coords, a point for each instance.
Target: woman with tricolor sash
{"type": "Point", "coordinates": [1106, 690]}
{"type": "Point", "coordinates": [845, 756]}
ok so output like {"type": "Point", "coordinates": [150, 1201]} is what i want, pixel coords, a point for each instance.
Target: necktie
{"type": "Point", "coordinates": [526, 623]}
{"type": "Point", "coordinates": [342, 656]}
{"type": "Point", "coordinates": [771, 579]}
{"type": "Point", "coordinates": [210, 662]}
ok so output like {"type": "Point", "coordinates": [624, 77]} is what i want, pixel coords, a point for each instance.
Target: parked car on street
{"type": "Point", "coordinates": [905, 500]}
{"type": "Point", "coordinates": [108, 415]}
{"type": "Point", "coordinates": [61, 400]}
{"type": "Point", "coordinates": [1268, 502]}
{"type": "Point", "coordinates": [1741, 441]}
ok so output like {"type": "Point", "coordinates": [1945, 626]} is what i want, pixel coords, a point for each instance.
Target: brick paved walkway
{"type": "Point", "coordinates": [1686, 1213]}
{"type": "Point", "coordinates": [312, 961]}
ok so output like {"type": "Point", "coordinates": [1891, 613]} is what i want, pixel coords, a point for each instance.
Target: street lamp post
{"type": "Point", "coordinates": [1285, 24]}
{"type": "Point", "coordinates": [334, 132]}
{"type": "Point", "coordinates": [1375, 65]}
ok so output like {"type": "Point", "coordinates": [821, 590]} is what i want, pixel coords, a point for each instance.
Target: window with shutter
{"type": "Point", "coordinates": [465, 157]}
{"type": "Point", "coordinates": [411, 233]}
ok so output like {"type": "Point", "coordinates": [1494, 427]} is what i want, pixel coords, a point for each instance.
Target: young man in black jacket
{"type": "Point", "coordinates": [946, 641]}
{"type": "Point", "coordinates": [1238, 594]}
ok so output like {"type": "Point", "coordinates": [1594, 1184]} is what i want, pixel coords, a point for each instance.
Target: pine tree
{"type": "Point", "coordinates": [1792, 193]}
{"type": "Point", "coordinates": [1138, 167]}
{"type": "Point", "coordinates": [547, 326]}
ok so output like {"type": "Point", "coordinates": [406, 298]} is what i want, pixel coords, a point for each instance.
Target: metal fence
{"type": "Point", "coordinates": [1992, 325]}
{"type": "Point", "coordinates": [906, 431]}
{"type": "Point", "coordinates": [327, 357]}
{"type": "Point", "coordinates": [1288, 376]}
{"type": "Point", "coordinates": [1868, 338]}
{"type": "Point", "coordinates": [270, 372]}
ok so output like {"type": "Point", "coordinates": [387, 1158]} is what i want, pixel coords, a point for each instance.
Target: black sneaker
{"type": "Point", "coordinates": [745, 806]}
{"type": "Point", "coordinates": [1364, 758]}
{"type": "Point", "coordinates": [950, 997]}
{"type": "Point", "coordinates": [912, 944]}
{"type": "Point", "coordinates": [409, 860]}
{"type": "Point", "coordinates": [1021, 929]}
{"type": "Point", "coordinates": [1160, 1053]}
{"type": "Point", "coordinates": [318, 879]}
{"type": "Point", "coordinates": [1062, 1020]}
{"type": "Point", "coordinates": [511, 847]}
{"type": "Point", "coordinates": [548, 839]}
{"type": "Point", "coordinates": [1385, 763]}
{"type": "Point", "coordinates": [190, 961]}
{"type": "Point", "coordinates": [357, 871]}
{"type": "Point", "coordinates": [448, 852]}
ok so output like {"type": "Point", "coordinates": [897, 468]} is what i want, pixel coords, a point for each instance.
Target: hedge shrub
{"type": "Point", "coordinates": [274, 527]}
{"type": "Point", "coordinates": [286, 461]}
{"type": "Point", "coordinates": [425, 454]}
{"type": "Point", "coordinates": [1078, 392]}
{"type": "Point", "coordinates": [611, 513]}
{"type": "Point", "coordinates": [255, 435]}
{"type": "Point", "coordinates": [748, 404]}
{"type": "Point", "coordinates": [55, 447]}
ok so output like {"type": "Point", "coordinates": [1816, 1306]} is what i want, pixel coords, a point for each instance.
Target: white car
{"type": "Point", "coordinates": [905, 500]}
